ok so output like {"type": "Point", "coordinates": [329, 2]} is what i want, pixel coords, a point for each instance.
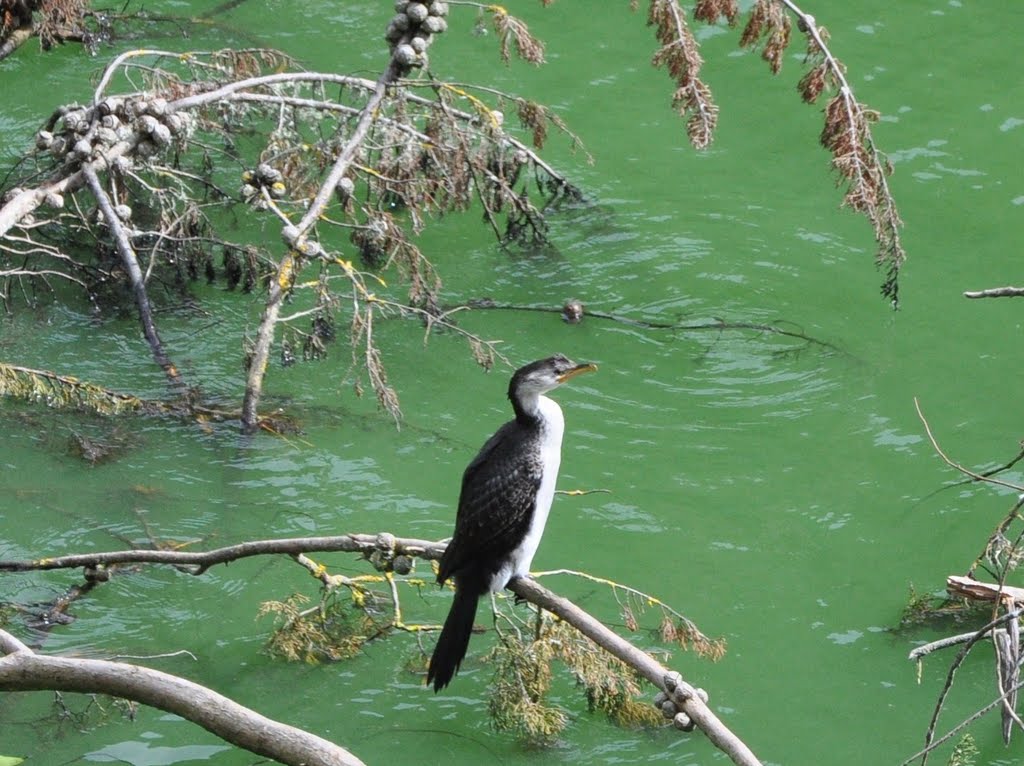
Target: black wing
{"type": "Point", "coordinates": [499, 488]}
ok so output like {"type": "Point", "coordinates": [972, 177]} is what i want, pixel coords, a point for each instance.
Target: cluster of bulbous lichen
{"type": "Point", "coordinates": [412, 31]}
{"type": "Point", "coordinates": [75, 134]}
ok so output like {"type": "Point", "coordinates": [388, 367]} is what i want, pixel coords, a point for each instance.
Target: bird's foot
{"type": "Point", "coordinates": [517, 600]}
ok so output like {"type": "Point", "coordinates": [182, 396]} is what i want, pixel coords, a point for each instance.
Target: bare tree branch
{"type": "Point", "coordinates": [682, 700]}
{"type": "Point", "coordinates": [24, 670]}
{"type": "Point", "coordinates": [966, 471]}
{"type": "Point", "coordinates": [131, 265]}
{"type": "Point", "coordinates": [200, 561]}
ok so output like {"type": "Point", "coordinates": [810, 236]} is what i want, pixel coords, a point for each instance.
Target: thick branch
{"type": "Point", "coordinates": [968, 587]}
{"type": "Point", "coordinates": [23, 670]}
{"type": "Point", "coordinates": [295, 238]}
{"type": "Point", "coordinates": [531, 591]}
{"type": "Point", "coordinates": [15, 40]}
{"type": "Point", "coordinates": [645, 664]}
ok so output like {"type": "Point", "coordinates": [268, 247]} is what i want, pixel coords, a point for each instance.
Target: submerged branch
{"type": "Point", "coordinates": [962, 469]}
{"type": "Point", "coordinates": [574, 313]}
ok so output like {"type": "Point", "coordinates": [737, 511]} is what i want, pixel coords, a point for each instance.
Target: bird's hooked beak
{"type": "Point", "coordinates": [579, 369]}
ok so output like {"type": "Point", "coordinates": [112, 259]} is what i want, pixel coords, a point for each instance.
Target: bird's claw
{"type": "Point", "coordinates": [517, 599]}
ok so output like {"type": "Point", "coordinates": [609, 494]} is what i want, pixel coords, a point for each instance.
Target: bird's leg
{"type": "Point", "coordinates": [518, 599]}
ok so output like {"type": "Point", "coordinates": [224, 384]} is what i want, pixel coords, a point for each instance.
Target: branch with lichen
{"type": "Point", "coordinates": [137, 142]}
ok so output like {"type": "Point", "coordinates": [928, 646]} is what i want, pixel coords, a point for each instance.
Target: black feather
{"type": "Point", "coordinates": [454, 641]}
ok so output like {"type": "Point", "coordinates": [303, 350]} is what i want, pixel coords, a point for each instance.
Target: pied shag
{"type": "Point", "coordinates": [506, 495]}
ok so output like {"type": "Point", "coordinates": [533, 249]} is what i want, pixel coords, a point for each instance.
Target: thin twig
{"type": "Point", "coordinates": [966, 471]}
{"type": "Point", "coordinates": [923, 754]}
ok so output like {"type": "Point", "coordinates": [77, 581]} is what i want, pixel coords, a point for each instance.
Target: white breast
{"type": "Point", "coordinates": [551, 456]}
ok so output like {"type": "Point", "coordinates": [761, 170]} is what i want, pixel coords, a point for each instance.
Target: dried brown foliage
{"type": "Point", "coordinates": [769, 23]}
{"type": "Point", "coordinates": [846, 133]}
{"type": "Point", "coordinates": [679, 54]}
{"type": "Point", "coordinates": [687, 636]}
{"type": "Point", "coordinates": [512, 31]}
{"type": "Point", "coordinates": [709, 11]}
{"type": "Point", "coordinates": [15, 14]}
{"type": "Point", "coordinates": [60, 19]}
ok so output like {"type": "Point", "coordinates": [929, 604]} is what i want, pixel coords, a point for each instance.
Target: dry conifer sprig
{"type": "Point", "coordinates": [846, 133]}
{"type": "Point", "coordinates": [680, 56]}
{"type": "Point", "coordinates": [855, 158]}
{"type": "Point", "coordinates": [709, 11]}
{"type": "Point", "coordinates": [769, 22]}
{"type": "Point", "coordinates": [511, 31]}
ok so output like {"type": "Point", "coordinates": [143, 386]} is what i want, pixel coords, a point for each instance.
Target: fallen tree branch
{"type": "Point", "coordinates": [929, 739]}
{"type": "Point", "coordinates": [24, 670]}
{"type": "Point", "coordinates": [923, 753]}
{"type": "Point", "coordinates": [943, 643]}
{"type": "Point", "coordinates": [15, 40]}
{"type": "Point", "coordinates": [966, 471]}
{"type": "Point", "coordinates": [685, 697]}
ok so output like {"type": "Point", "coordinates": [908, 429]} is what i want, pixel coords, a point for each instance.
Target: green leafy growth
{"type": "Point", "coordinates": [923, 609]}
{"type": "Point", "coordinates": [965, 753]}
{"type": "Point", "coordinates": [335, 629]}
{"type": "Point", "coordinates": [522, 679]}
{"type": "Point", "coordinates": [64, 392]}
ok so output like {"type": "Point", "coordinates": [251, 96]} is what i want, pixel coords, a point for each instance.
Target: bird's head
{"type": "Point", "coordinates": [542, 376]}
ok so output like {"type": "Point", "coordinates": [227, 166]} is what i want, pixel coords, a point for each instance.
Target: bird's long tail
{"type": "Point", "coordinates": [454, 641]}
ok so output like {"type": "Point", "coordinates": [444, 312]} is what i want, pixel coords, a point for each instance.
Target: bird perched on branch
{"type": "Point", "coordinates": [506, 495]}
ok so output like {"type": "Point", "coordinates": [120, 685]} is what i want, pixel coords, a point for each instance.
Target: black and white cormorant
{"type": "Point", "coordinates": [503, 506]}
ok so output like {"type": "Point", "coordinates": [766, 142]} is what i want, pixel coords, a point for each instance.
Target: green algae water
{"type": "Point", "coordinates": [782, 494]}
